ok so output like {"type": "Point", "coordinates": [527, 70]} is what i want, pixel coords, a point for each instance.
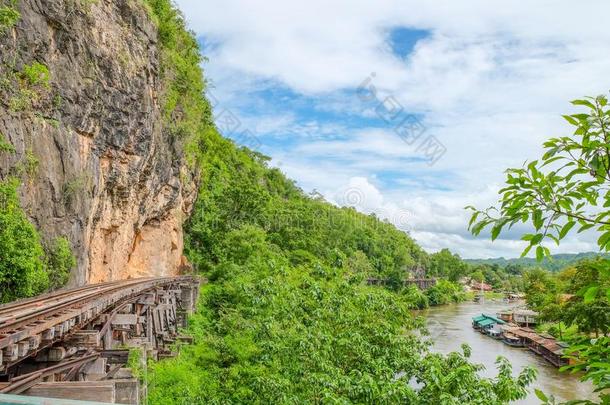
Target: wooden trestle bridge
{"type": "Point", "coordinates": [74, 344]}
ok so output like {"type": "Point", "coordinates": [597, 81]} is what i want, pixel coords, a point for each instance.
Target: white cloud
{"type": "Point", "coordinates": [491, 81]}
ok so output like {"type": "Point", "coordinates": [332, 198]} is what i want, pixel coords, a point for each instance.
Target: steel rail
{"type": "Point", "coordinates": [35, 320]}
{"type": "Point", "coordinates": [35, 301]}
{"type": "Point", "coordinates": [68, 300]}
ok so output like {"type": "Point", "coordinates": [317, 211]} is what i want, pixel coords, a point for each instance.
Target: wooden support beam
{"type": "Point", "coordinates": [127, 391]}
{"type": "Point", "coordinates": [99, 391]}
{"type": "Point", "coordinates": [48, 335]}
{"type": "Point", "coordinates": [35, 342]}
{"type": "Point", "coordinates": [125, 319]}
{"type": "Point", "coordinates": [119, 356]}
{"type": "Point", "coordinates": [26, 381]}
{"type": "Point", "coordinates": [11, 353]}
{"type": "Point", "coordinates": [112, 372]}
{"type": "Point", "coordinates": [23, 348]}
{"type": "Point", "coordinates": [52, 355]}
{"type": "Point", "coordinates": [85, 339]}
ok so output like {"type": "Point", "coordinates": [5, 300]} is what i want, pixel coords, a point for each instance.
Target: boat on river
{"type": "Point", "coordinates": [512, 340]}
{"type": "Point", "coordinates": [495, 332]}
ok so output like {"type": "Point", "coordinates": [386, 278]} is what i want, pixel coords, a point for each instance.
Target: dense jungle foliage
{"type": "Point", "coordinates": [287, 315]}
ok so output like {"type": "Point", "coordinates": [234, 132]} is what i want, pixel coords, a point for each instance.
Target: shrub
{"type": "Point", "coordinates": [445, 292]}
{"type": "Point", "coordinates": [36, 74]}
{"type": "Point", "coordinates": [5, 146]}
{"type": "Point", "coordinates": [74, 186]}
{"type": "Point", "coordinates": [187, 114]}
{"type": "Point", "coordinates": [22, 268]}
{"type": "Point", "coordinates": [28, 165]}
{"type": "Point", "coordinates": [60, 262]}
{"type": "Point", "coordinates": [33, 84]}
{"type": "Point", "coordinates": [9, 16]}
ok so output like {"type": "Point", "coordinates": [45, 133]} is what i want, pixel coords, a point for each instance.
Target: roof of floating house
{"type": "Point", "coordinates": [524, 333]}
{"type": "Point", "coordinates": [496, 320]}
{"type": "Point", "coordinates": [483, 318]}
{"type": "Point", "coordinates": [542, 339]}
{"type": "Point", "coordinates": [486, 322]}
{"type": "Point", "coordinates": [555, 347]}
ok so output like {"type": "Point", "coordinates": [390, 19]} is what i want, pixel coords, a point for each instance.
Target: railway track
{"type": "Point", "coordinates": [36, 301]}
{"type": "Point", "coordinates": [14, 315]}
{"type": "Point", "coordinates": [31, 325]}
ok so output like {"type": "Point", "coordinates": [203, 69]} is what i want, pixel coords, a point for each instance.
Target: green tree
{"type": "Point", "coordinates": [22, 267]}
{"type": "Point", "coordinates": [448, 265]}
{"type": "Point", "coordinates": [478, 276]}
{"type": "Point", "coordinates": [60, 262]}
{"type": "Point", "coordinates": [540, 287]}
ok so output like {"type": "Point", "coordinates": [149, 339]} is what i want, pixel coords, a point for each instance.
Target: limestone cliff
{"type": "Point", "coordinates": [80, 89]}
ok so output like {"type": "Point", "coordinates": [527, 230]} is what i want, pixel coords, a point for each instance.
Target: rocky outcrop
{"type": "Point", "coordinates": [97, 162]}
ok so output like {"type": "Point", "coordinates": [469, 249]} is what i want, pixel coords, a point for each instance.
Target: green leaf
{"type": "Point", "coordinates": [526, 251]}
{"type": "Point", "coordinates": [541, 396]}
{"type": "Point", "coordinates": [603, 240]}
{"type": "Point", "coordinates": [551, 160]}
{"type": "Point", "coordinates": [495, 231]}
{"type": "Point", "coordinates": [585, 227]}
{"type": "Point", "coordinates": [583, 102]}
{"type": "Point", "coordinates": [473, 219]}
{"type": "Point", "coordinates": [571, 120]}
{"type": "Point", "coordinates": [539, 253]}
{"type": "Point", "coordinates": [566, 228]}
{"type": "Point", "coordinates": [538, 221]}
{"type": "Point", "coordinates": [591, 294]}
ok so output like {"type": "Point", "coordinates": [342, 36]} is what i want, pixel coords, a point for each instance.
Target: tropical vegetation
{"type": "Point", "coordinates": [287, 314]}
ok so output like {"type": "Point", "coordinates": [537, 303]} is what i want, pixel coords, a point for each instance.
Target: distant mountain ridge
{"type": "Point", "coordinates": [556, 263]}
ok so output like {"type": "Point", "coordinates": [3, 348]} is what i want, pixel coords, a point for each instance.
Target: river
{"type": "Point", "coordinates": [450, 326]}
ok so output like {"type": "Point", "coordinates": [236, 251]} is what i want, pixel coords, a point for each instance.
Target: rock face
{"type": "Point", "coordinates": [98, 165]}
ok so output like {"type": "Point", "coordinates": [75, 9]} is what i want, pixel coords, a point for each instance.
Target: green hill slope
{"type": "Point", "coordinates": [555, 263]}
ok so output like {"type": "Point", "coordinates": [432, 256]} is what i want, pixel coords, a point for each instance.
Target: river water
{"type": "Point", "coordinates": [450, 326]}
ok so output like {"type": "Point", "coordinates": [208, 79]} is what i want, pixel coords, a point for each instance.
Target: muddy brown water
{"type": "Point", "coordinates": [450, 326]}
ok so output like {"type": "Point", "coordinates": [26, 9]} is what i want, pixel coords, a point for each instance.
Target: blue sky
{"type": "Point", "coordinates": [408, 109]}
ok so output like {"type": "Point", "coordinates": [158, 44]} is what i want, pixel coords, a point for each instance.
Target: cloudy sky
{"type": "Point", "coordinates": [409, 109]}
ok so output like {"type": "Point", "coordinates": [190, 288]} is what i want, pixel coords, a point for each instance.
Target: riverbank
{"type": "Point", "coordinates": [488, 295]}
{"type": "Point", "coordinates": [450, 326]}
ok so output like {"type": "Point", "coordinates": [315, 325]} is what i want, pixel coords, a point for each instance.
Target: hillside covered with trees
{"type": "Point", "coordinates": [554, 262]}
{"type": "Point", "coordinates": [287, 315]}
